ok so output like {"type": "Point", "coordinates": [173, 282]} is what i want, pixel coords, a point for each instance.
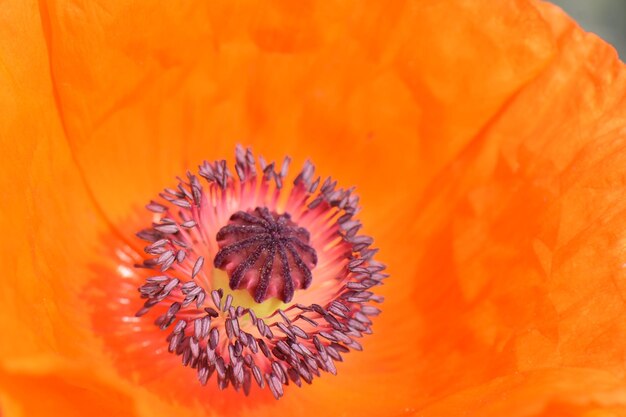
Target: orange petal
{"type": "Point", "coordinates": [41, 386]}
{"type": "Point", "coordinates": [522, 234]}
{"type": "Point", "coordinates": [565, 392]}
{"type": "Point", "coordinates": [320, 88]}
{"type": "Point", "coordinates": [47, 217]}
{"type": "Point", "coordinates": [153, 91]}
{"type": "Point", "coordinates": [50, 224]}
{"type": "Point", "coordinates": [488, 155]}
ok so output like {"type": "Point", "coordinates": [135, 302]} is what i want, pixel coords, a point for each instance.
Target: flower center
{"type": "Point", "coordinates": [266, 253]}
{"type": "Point", "coordinates": [291, 285]}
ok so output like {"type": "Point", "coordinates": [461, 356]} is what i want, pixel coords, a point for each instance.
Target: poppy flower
{"type": "Point", "coordinates": [486, 143]}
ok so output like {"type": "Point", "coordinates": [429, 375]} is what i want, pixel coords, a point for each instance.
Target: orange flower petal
{"type": "Point", "coordinates": [139, 93]}
{"type": "Point", "coordinates": [523, 249]}
{"type": "Point", "coordinates": [565, 392]}
{"type": "Point", "coordinates": [318, 89]}
{"type": "Point", "coordinates": [487, 154]}
{"type": "Point", "coordinates": [46, 214]}
{"type": "Point", "coordinates": [41, 386]}
{"type": "Point", "coordinates": [49, 221]}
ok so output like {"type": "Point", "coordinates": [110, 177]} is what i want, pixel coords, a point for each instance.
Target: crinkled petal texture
{"type": "Point", "coordinates": [487, 140]}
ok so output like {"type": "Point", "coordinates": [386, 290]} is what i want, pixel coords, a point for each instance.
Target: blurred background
{"type": "Point", "coordinates": [606, 18]}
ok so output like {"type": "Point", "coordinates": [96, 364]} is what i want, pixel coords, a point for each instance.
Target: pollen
{"type": "Point", "coordinates": [254, 282]}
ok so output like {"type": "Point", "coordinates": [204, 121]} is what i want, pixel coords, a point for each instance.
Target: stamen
{"type": "Point", "coordinates": [248, 236]}
{"type": "Point", "coordinates": [292, 281]}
